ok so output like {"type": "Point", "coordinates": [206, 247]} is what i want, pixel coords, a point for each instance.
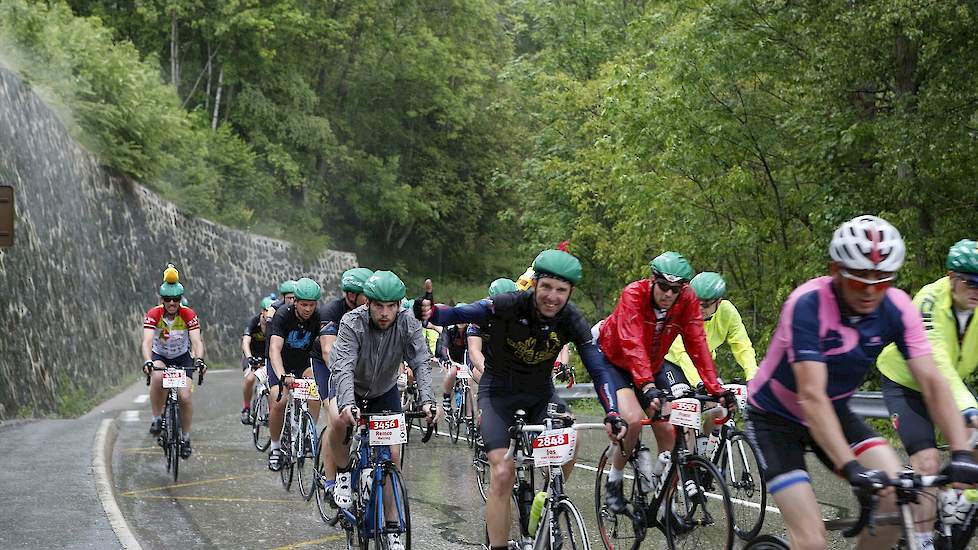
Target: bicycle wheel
{"type": "Point", "coordinates": [697, 504]}
{"type": "Point", "coordinates": [480, 463]}
{"type": "Point", "coordinates": [401, 505]}
{"type": "Point", "coordinates": [619, 531]}
{"type": "Point", "coordinates": [305, 464]}
{"type": "Point", "coordinates": [767, 542]}
{"type": "Point", "coordinates": [288, 468]}
{"type": "Point", "coordinates": [259, 411]}
{"type": "Point", "coordinates": [741, 472]}
{"type": "Point", "coordinates": [176, 439]}
{"type": "Point", "coordinates": [325, 510]}
{"type": "Point", "coordinates": [567, 527]}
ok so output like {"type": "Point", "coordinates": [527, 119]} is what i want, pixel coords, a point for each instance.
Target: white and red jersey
{"type": "Point", "coordinates": [172, 337]}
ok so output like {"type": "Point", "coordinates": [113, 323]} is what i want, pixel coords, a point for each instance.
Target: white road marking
{"type": "Point", "coordinates": [130, 416]}
{"type": "Point", "coordinates": [141, 398]}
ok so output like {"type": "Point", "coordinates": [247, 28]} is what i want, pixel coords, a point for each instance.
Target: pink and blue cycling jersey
{"type": "Point", "coordinates": [813, 328]}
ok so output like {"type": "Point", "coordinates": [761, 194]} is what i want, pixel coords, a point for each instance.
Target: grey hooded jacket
{"type": "Point", "coordinates": [365, 360]}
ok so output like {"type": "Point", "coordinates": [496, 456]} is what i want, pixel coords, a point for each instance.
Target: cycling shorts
{"type": "Point", "coordinates": [389, 401]}
{"type": "Point", "coordinates": [499, 409]}
{"type": "Point", "coordinates": [781, 445]}
{"type": "Point", "coordinates": [671, 379]}
{"type": "Point", "coordinates": [321, 373]}
{"type": "Point", "coordinates": [294, 371]}
{"type": "Point", "coordinates": [909, 416]}
{"type": "Point", "coordinates": [184, 361]}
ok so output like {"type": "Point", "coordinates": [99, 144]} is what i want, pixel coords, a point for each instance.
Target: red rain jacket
{"type": "Point", "coordinates": [629, 341]}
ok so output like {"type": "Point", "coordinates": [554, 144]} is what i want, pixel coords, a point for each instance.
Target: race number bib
{"type": "Point", "coordinates": [554, 447]}
{"type": "Point", "coordinates": [463, 371]}
{"type": "Point", "coordinates": [305, 388]}
{"type": "Point", "coordinates": [387, 429]}
{"type": "Point", "coordinates": [740, 390]}
{"type": "Point", "coordinates": [686, 413]}
{"type": "Point", "coordinates": [174, 378]}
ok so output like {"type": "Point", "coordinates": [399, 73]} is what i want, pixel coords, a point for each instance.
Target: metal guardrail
{"type": "Point", "coordinates": [867, 404]}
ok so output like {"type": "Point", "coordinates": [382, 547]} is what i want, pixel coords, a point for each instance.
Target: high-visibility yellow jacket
{"type": "Point", "coordinates": [726, 325]}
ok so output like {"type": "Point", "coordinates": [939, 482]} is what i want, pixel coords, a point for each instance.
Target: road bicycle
{"type": "Point", "coordinates": [299, 439]}
{"type": "Point", "coordinates": [171, 431]}
{"type": "Point", "coordinates": [462, 411]}
{"type": "Point", "coordinates": [258, 415]}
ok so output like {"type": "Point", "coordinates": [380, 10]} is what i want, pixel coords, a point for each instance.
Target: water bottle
{"type": "Point", "coordinates": [366, 480]}
{"type": "Point", "coordinates": [712, 442]}
{"type": "Point", "coordinates": [955, 504]}
{"type": "Point", "coordinates": [702, 445]}
{"type": "Point", "coordinates": [661, 465]}
{"type": "Point", "coordinates": [536, 510]}
{"type": "Point", "coordinates": [646, 468]}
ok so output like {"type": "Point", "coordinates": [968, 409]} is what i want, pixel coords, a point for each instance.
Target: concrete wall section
{"type": "Point", "coordinates": [88, 260]}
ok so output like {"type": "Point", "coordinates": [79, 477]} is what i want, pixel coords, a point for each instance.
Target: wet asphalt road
{"type": "Point", "coordinates": [227, 498]}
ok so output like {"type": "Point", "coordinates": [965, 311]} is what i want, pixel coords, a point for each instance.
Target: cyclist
{"type": "Point", "coordinates": [635, 338]}
{"type": "Point", "coordinates": [830, 332]}
{"type": "Point", "coordinates": [475, 336]}
{"type": "Point", "coordinates": [291, 333]}
{"type": "Point", "coordinates": [330, 314]}
{"type": "Point", "coordinates": [365, 362]}
{"type": "Point", "coordinates": [450, 347]}
{"type": "Point", "coordinates": [722, 323]}
{"type": "Point", "coordinates": [253, 346]}
{"type": "Point", "coordinates": [947, 306]}
{"type": "Point", "coordinates": [171, 338]}
{"type": "Point", "coordinates": [524, 333]}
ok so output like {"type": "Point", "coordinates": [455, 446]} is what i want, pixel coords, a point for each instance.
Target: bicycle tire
{"type": "Point", "coordinates": [567, 520]}
{"type": "Point", "coordinates": [326, 512]}
{"type": "Point", "coordinates": [619, 531]}
{"type": "Point", "coordinates": [400, 498]}
{"type": "Point", "coordinates": [164, 438]}
{"type": "Point", "coordinates": [259, 409]}
{"type": "Point", "coordinates": [305, 461]}
{"type": "Point", "coordinates": [696, 516]}
{"type": "Point", "coordinates": [176, 434]}
{"type": "Point", "coordinates": [767, 542]}
{"type": "Point", "coordinates": [741, 472]}
{"type": "Point", "coordinates": [480, 463]}
{"type": "Point", "coordinates": [285, 445]}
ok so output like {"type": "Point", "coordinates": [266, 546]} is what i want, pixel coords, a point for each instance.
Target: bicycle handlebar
{"type": "Point", "coordinates": [200, 375]}
{"type": "Point", "coordinates": [868, 498]}
{"type": "Point", "coordinates": [362, 419]}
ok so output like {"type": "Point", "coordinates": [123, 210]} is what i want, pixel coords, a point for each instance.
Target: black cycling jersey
{"type": "Point", "coordinates": [330, 314]}
{"type": "Point", "coordinates": [298, 335]}
{"type": "Point", "coordinates": [520, 346]}
{"type": "Point", "coordinates": [452, 344]}
{"type": "Point", "coordinates": [257, 344]}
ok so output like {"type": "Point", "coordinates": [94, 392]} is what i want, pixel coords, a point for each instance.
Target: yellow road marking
{"type": "Point", "coordinates": [137, 449]}
{"type": "Point", "coordinates": [312, 542]}
{"type": "Point", "coordinates": [189, 484]}
{"type": "Point", "coordinates": [215, 499]}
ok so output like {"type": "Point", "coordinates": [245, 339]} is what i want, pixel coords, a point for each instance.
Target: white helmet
{"type": "Point", "coordinates": [868, 242]}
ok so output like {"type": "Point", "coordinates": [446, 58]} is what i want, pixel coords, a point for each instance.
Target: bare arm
{"type": "Point", "coordinates": [326, 344]}
{"type": "Point", "coordinates": [275, 355]}
{"type": "Point", "coordinates": [196, 344]}
{"type": "Point", "coordinates": [812, 379]}
{"type": "Point", "coordinates": [936, 392]}
{"type": "Point", "coordinates": [246, 345]}
{"type": "Point", "coordinates": [148, 334]}
{"type": "Point", "coordinates": [476, 357]}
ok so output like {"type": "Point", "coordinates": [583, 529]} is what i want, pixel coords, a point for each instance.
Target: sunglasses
{"type": "Point", "coordinates": [970, 283]}
{"type": "Point", "coordinates": [664, 286]}
{"type": "Point", "coordinates": [708, 305]}
{"type": "Point", "coordinates": [855, 282]}
{"type": "Point", "coordinates": [172, 298]}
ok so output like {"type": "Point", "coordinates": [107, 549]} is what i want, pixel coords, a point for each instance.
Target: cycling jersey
{"type": "Point", "coordinates": [298, 336]}
{"type": "Point", "coordinates": [330, 314]}
{"type": "Point", "coordinates": [452, 344]}
{"type": "Point", "coordinates": [520, 346]}
{"type": "Point", "coordinates": [726, 325]}
{"type": "Point", "coordinates": [172, 338]}
{"type": "Point", "coordinates": [956, 356]}
{"type": "Point", "coordinates": [636, 340]}
{"type": "Point", "coordinates": [812, 328]}
{"type": "Point", "coordinates": [366, 361]}
{"type": "Point", "coordinates": [254, 330]}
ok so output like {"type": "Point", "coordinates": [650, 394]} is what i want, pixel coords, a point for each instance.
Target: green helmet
{"type": "Point", "coordinates": [963, 257]}
{"type": "Point", "coordinates": [307, 289]}
{"type": "Point", "coordinates": [384, 286]}
{"type": "Point", "coordinates": [171, 290]}
{"type": "Point", "coordinates": [502, 285]}
{"type": "Point", "coordinates": [407, 304]}
{"type": "Point", "coordinates": [353, 279]}
{"type": "Point", "coordinates": [708, 286]}
{"type": "Point", "coordinates": [287, 287]}
{"type": "Point", "coordinates": [672, 266]}
{"type": "Point", "coordinates": [185, 302]}
{"type": "Point", "coordinates": [266, 302]}
{"type": "Point", "coordinates": [559, 264]}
